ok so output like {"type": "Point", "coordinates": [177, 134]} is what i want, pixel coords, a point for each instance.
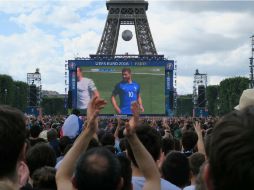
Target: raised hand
{"type": "Point", "coordinates": [131, 126]}
{"type": "Point", "coordinates": [197, 127]}
{"type": "Point", "coordinates": [94, 107]}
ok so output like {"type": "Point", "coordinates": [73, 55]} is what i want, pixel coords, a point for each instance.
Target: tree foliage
{"type": "Point", "coordinates": [184, 105]}
{"type": "Point", "coordinates": [230, 91]}
{"type": "Point", "coordinates": [53, 105]}
{"type": "Point", "coordinates": [212, 99]}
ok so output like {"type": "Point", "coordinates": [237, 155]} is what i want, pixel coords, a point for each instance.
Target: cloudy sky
{"type": "Point", "coordinates": [212, 36]}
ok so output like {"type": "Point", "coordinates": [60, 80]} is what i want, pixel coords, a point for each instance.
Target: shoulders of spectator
{"type": "Point", "coordinates": [191, 187]}
{"type": "Point", "coordinates": [138, 183]}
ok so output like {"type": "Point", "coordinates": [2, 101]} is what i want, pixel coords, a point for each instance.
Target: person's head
{"type": "Point", "coordinates": [167, 145]}
{"type": "Point", "coordinates": [196, 160]}
{"type": "Point", "coordinates": [98, 169]}
{"type": "Point", "coordinates": [122, 144]}
{"type": "Point", "coordinates": [126, 172]}
{"type": "Point", "coordinates": [79, 73]}
{"type": "Point", "coordinates": [64, 142]}
{"type": "Point", "coordinates": [108, 139]}
{"type": "Point", "coordinates": [12, 143]}
{"type": "Point", "coordinates": [151, 139]}
{"type": "Point", "coordinates": [44, 178]}
{"type": "Point", "coordinates": [126, 74]}
{"type": "Point", "coordinates": [40, 155]}
{"type": "Point", "coordinates": [35, 130]}
{"type": "Point", "coordinates": [231, 152]}
{"type": "Point", "coordinates": [189, 140]}
{"type": "Point", "coordinates": [51, 135]}
{"type": "Point", "coordinates": [176, 169]}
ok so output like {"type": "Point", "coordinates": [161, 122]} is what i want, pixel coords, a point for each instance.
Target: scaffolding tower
{"type": "Point", "coordinates": [199, 94]}
{"type": "Point", "coordinates": [251, 63]}
{"type": "Point", "coordinates": [34, 88]}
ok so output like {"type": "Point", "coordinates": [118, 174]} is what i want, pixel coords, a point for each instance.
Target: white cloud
{"type": "Point", "coordinates": [211, 37]}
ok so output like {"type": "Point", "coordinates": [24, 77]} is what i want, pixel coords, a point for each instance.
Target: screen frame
{"type": "Point", "coordinates": [127, 62]}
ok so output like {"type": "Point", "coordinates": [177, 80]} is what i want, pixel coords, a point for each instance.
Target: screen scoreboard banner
{"type": "Point", "coordinates": [155, 77]}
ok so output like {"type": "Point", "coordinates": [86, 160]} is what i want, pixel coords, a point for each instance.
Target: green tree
{"type": "Point", "coordinates": [184, 105]}
{"type": "Point", "coordinates": [212, 99]}
{"type": "Point", "coordinates": [20, 92]}
{"type": "Point", "coordinates": [6, 90]}
{"type": "Point", "coordinates": [230, 91]}
{"type": "Point", "coordinates": [53, 105]}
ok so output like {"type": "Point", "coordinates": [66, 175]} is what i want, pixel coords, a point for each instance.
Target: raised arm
{"type": "Point", "coordinates": [144, 159]}
{"type": "Point", "coordinates": [66, 170]}
{"type": "Point", "coordinates": [200, 143]}
{"type": "Point", "coordinates": [116, 134]}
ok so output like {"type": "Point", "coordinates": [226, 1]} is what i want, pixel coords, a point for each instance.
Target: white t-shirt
{"type": "Point", "coordinates": [191, 187]}
{"type": "Point", "coordinates": [138, 183]}
{"type": "Point", "coordinates": [85, 88]}
{"type": "Point", "coordinates": [71, 126]}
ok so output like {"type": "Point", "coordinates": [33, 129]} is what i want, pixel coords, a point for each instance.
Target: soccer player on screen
{"type": "Point", "coordinates": [128, 92]}
{"type": "Point", "coordinates": [86, 90]}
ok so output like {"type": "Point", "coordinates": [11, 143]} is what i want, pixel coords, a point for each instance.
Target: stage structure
{"type": "Point", "coordinates": [199, 95]}
{"type": "Point", "coordinates": [251, 63]}
{"type": "Point", "coordinates": [34, 92]}
{"type": "Point", "coordinates": [147, 66]}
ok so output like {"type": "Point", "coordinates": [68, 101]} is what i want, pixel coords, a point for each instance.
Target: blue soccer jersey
{"type": "Point", "coordinates": [128, 92]}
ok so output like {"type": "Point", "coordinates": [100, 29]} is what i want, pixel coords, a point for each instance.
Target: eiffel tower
{"type": "Point", "coordinates": [126, 12]}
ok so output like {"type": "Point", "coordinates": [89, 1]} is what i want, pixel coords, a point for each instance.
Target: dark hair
{"type": "Point", "coordinates": [40, 155]}
{"type": "Point", "coordinates": [176, 169]}
{"type": "Point", "coordinates": [44, 178]}
{"type": "Point", "coordinates": [151, 139]}
{"type": "Point", "coordinates": [12, 139]}
{"type": "Point", "coordinates": [93, 144]}
{"type": "Point", "coordinates": [107, 139]}
{"type": "Point", "coordinates": [167, 145]}
{"type": "Point", "coordinates": [122, 144]}
{"type": "Point", "coordinates": [126, 70]}
{"type": "Point", "coordinates": [126, 172]}
{"type": "Point", "coordinates": [189, 140]}
{"type": "Point", "coordinates": [177, 144]}
{"type": "Point", "coordinates": [51, 135]}
{"type": "Point", "coordinates": [97, 169]}
{"type": "Point", "coordinates": [232, 151]}
{"type": "Point", "coordinates": [196, 160]}
{"type": "Point", "coordinates": [63, 142]}
{"type": "Point", "coordinates": [35, 130]}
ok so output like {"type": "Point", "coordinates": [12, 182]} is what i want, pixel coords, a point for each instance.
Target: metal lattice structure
{"type": "Point", "coordinates": [199, 80]}
{"type": "Point", "coordinates": [126, 12]}
{"type": "Point", "coordinates": [251, 63]}
{"type": "Point", "coordinates": [34, 88]}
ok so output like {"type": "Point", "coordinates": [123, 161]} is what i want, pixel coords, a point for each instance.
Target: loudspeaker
{"type": "Point", "coordinates": [201, 96]}
{"type": "Point", "coordinates": [33, 96]}
{"type": "Point", "coordinates": [69, 101]}
{"type": "Point", "coordinates": [171, 99]}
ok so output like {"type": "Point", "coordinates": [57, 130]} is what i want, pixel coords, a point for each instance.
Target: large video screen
{"type": "Point", "coordinates": [120, 86]}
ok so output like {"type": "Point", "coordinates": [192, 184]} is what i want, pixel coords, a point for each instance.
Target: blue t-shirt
{"type": "Point", "coordinates": [128, 93]}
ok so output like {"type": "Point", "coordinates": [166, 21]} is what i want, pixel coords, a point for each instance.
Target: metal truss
{"type": "Point", "coordinates": [126, 13]}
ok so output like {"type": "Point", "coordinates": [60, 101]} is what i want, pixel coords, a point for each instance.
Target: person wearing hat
{"type": "Point", "coordinates": [246, 99]}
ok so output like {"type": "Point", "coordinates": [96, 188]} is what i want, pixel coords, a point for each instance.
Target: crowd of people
{"type": "Point", "coordinates": [74, 152]}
